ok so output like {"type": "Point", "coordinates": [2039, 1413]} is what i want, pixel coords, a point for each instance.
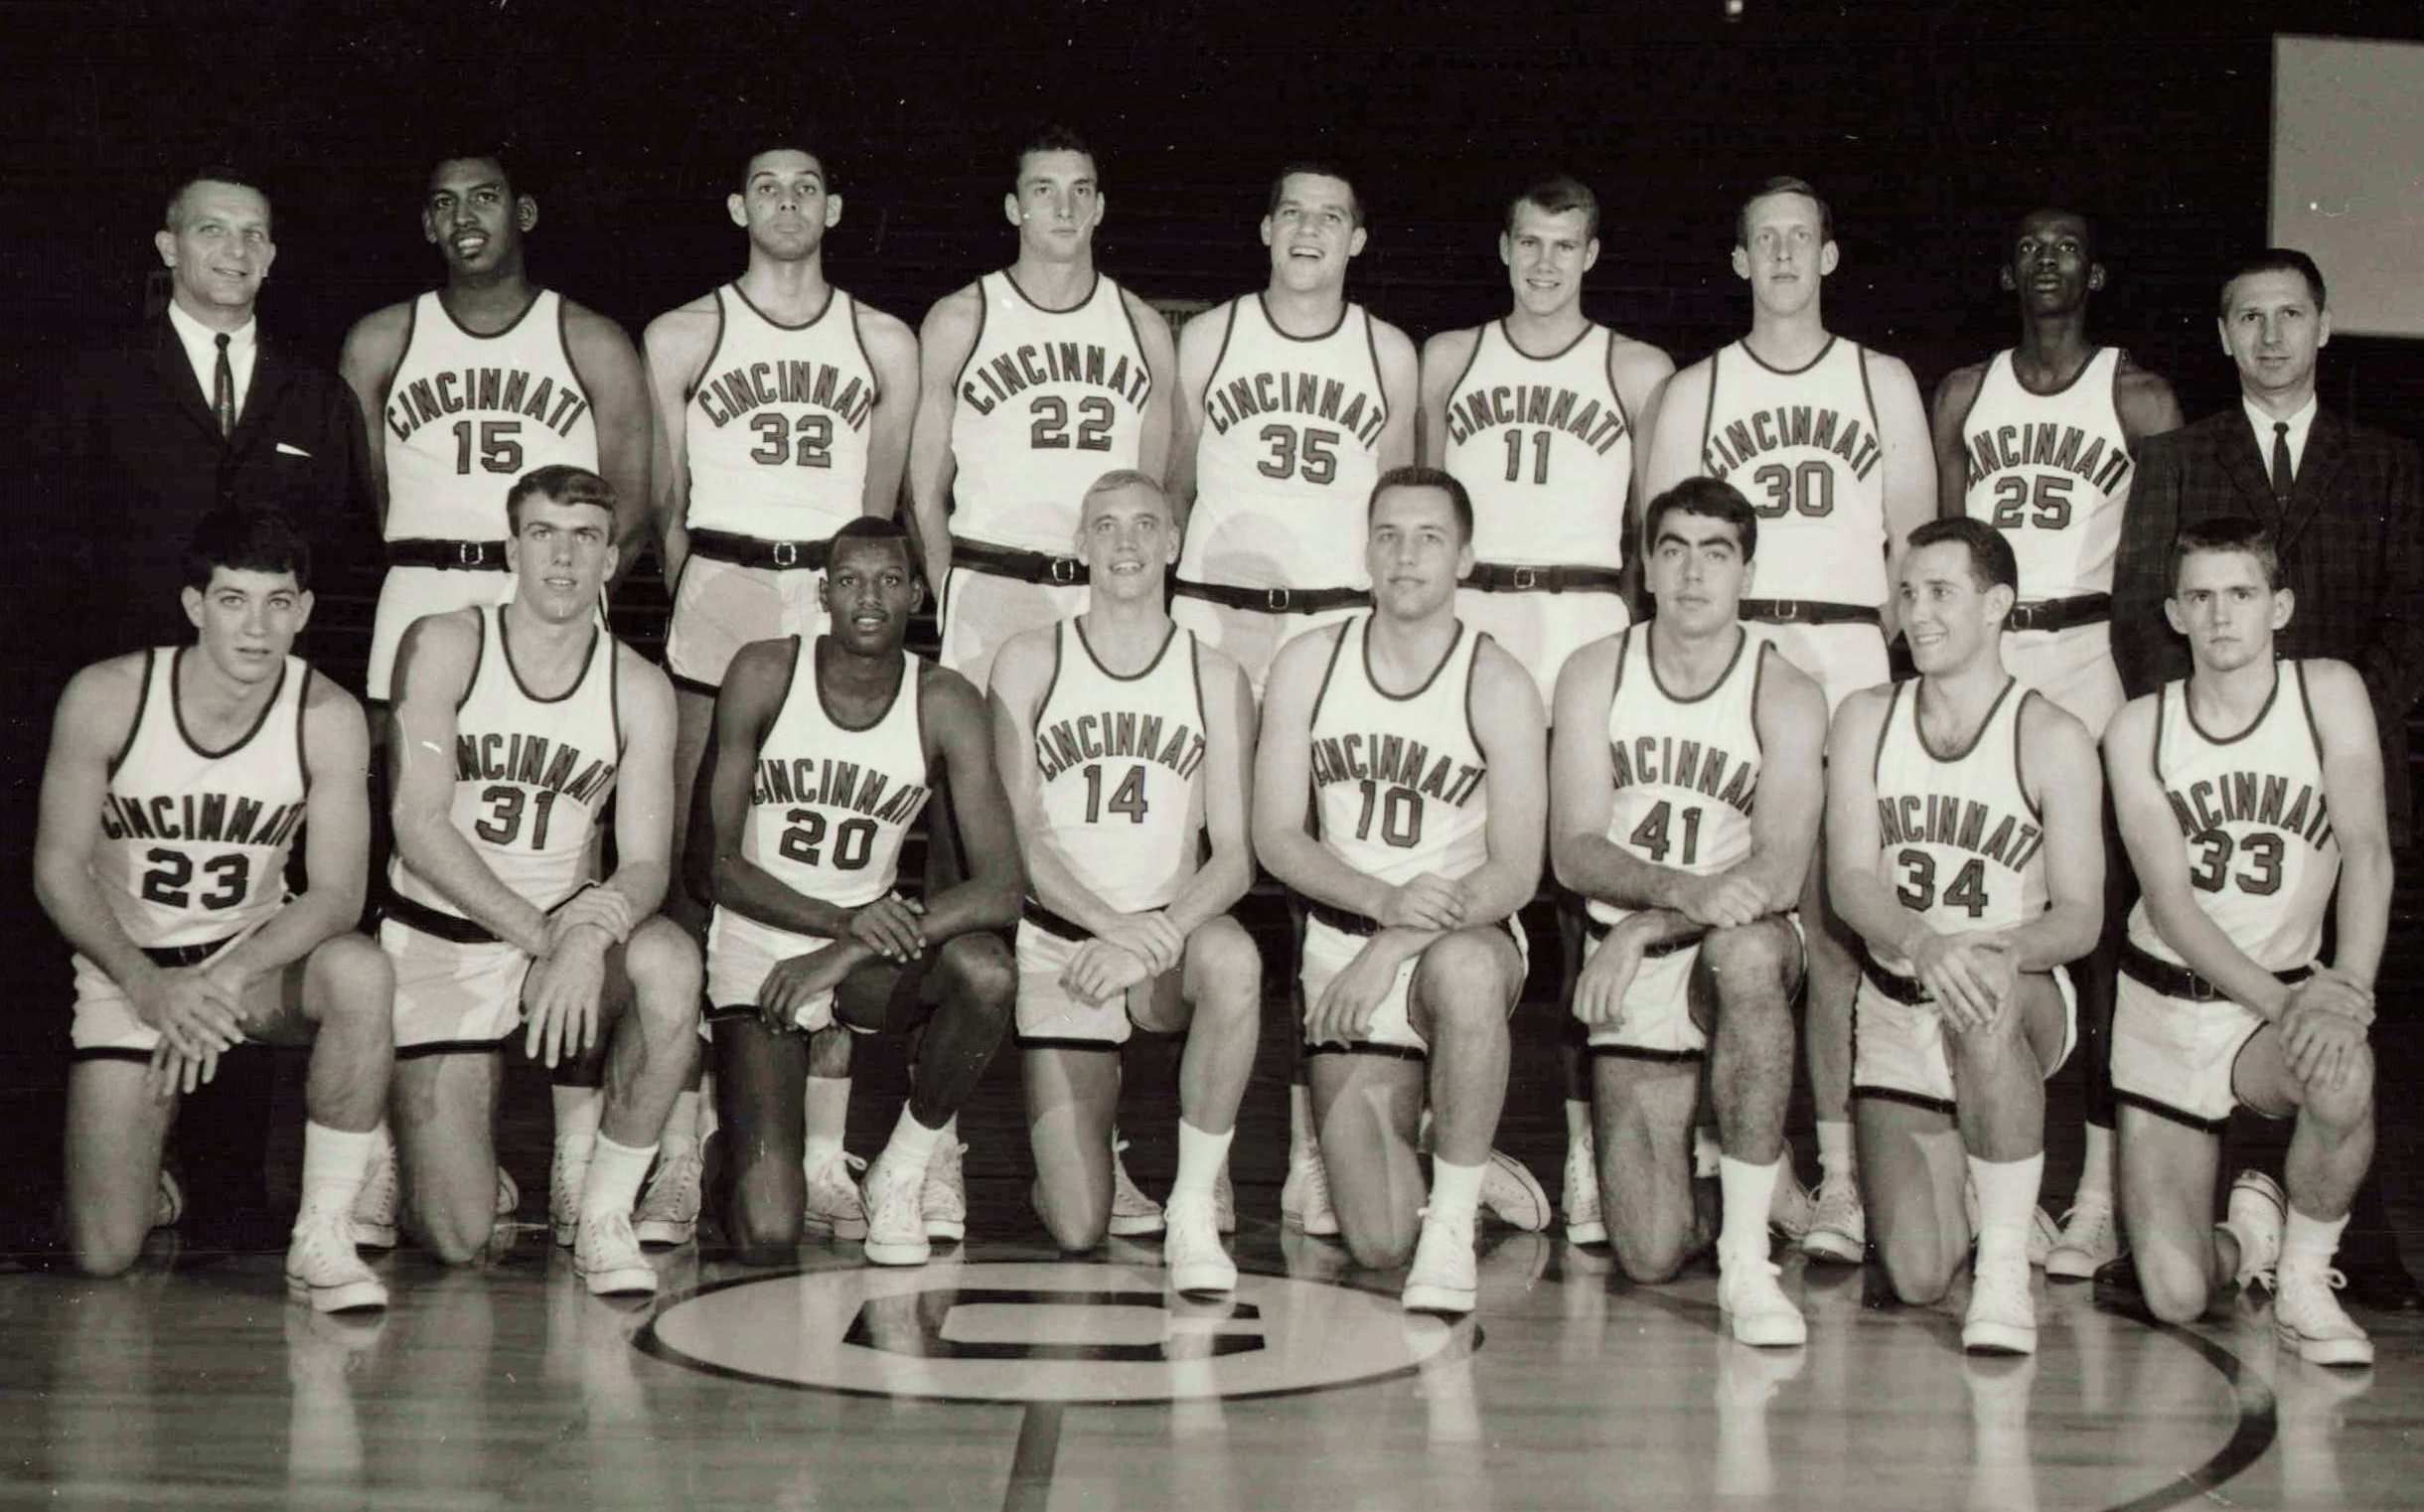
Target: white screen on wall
{"type": "Point", "coordinates": [2347, 175]}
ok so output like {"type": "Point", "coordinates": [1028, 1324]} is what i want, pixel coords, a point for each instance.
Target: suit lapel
{"type": "Point", "coordinates": [271, 376]}
{"type": "Point", "coordinates": [176, 376]}
{"type": "Point", "coordinates": [2248, 471]}
{"type": "Point", "coordinates": [2326, 450]}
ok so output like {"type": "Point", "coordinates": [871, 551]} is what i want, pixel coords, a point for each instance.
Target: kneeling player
{"type": "Point", "coordinates": [1964, 844]}
{"type": "Point", "coordinates": [1123, 742]}
{"type": "Point", "coordinates": [819, 766]}
{"type": "Point", "coordinates": [1686, 785]}
{"type": "Point", "coordinates": [2245, 793]}
{"type": "Point", "coordinates": [1421, 745]}
{"type": "Point", "coordinates": [177, 780]}
{"type": "Point", "coordinates": [514, 723]}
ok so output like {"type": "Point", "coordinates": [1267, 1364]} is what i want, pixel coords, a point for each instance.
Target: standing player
{"type": "Point", "coordinates": [177, 781]}
{"type": "Point", "coordinates": [1686, 785]}
{"type": "Point", "coordinates": [823, 752]}
{"type": "Point", "coordinates": [1964, 841]}
{"type": "Point", "coordinates": [1034, 381]}
{"type": "Point", "coordinates": [1414, 748]}
{"type": "Point", "coordinates": [470, 386]}
{"type": "Point", "coordinates": [2246, 792]}
{"type": "Point", "coordinates": [1537, 416]}
{"type": "Point", "coordinates": [1830, 442]}
{"type": "Point", "coordinates": [1123, 745]}
{"type": "Point", "coordinates": [2038, 441]}
{"type": "Point", "coordinates": [782, 410]}
{"type": "Point", "coordinates": [514, 723]}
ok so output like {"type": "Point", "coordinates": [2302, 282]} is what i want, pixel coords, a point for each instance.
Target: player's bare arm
{"type": "Point", "coordinates": [1640, 375]}
{"type": "Point", "coordinates": [1955, 397]}
{"type": "Point", "coordinates": [1225, 875]}
{"type": "Point", "coordinates": [1674, 439]}
{"type": "Point", "coordinates": [609, 368]}
{"type": "Point", "coordinates": [944, 343]}
{"type": "Point", "coordinates": [892, 352]}
{"type": "Point", "coordinates": [1909, 463]}
{"type": "Point", "coordinates": [368, 364]}
{"type": "Point", "coordinates": [2144, 400]}
{"type": "Point", "coordinates": [954, 726]}
{"type": "Point", "coordinates": [2353, 785]}
{"type": "Point", "coordinates": [644, 785]}
{"type": "Point", "coordinates": [1199, 343]}
{"type": "Point", "coordinates": [1400, 389]}
{"type": "Point", "coordinates": [433, 672]}
{"type": "Point", "coordinates": [2067, 782]}
{"type": "Point", "coordinates": [335, 842]}
{"type": "Point", "coordinates": [194, 1014]}
{"type": "Point", "coordinates": [1154, 434]}
{"type": "Point", "coordinates": [1444, 359]}
{"type": "Point", "coordinates": [675, 346]}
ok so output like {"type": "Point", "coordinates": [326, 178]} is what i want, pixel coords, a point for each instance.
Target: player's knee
{"type": "Point", "coordinates": [663, 966]}
{"type": "Point", "coordinates": [1917, 1267]}
{"type": "Point", "coordinates": [2176, 1286]}
{"type": "Point", "coordinates": [1646, 1255]}
{"type": "Point", "coordinates": [1753, 963]}
{"type": "Point", "coordinates": [1231, 963]}
{"type": "Point", "coordinates": [101, 1248]}
{"type": "Point", "coordinates": [977, 971]}
{"type": "Point", "coordinates": [1075, 1227]}
{"type": "Point", "coordinates": [765, 1227]}
{"type": "Point", "coordinates": [1466, 983]}
{"type": "Point", "coordinates": [457, 1239]}
{"type": "Point", "coordinates": [354, 978]}
{"type": "Point", "coordinates": [2344, 1101]}
{"type": "Point", "coordinates": [1376, 1246]}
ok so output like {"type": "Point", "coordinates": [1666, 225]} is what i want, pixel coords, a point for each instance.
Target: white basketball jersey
{"type": "Point", "coordinates": [2053, 472]}
{"type": "Point", "coordinates": [1122, 761]}
{"type": "Point", "coordinates": [532, 774]}
{"type": "Point", "coordinates": [1959, 838]}
{"type": "Point", "coordinates": [1684, 769]}
{"type": "Point", "coordinates": [1288, 454]}
{"type": "Point", "coordinates": [193, 843]}
{"type": "Point", "coordinates": [831, 802]}
{"type": "Point", "coordinates": [1804, 448]}
{"type": "Point", "coordinates": [1397, 780]}
{"type": "Point", "coordinates": [1545, 449]}
{"type": "Point", "coordinates": [777, 424]}
{"type": "Point", "coordinates": [2254, 824]}
{"type": "Point", "coordinates": [468, 414]}
{"type": "Point", "coordinates": [1048, 401]}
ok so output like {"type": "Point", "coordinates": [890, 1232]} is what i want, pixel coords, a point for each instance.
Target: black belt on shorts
{"type": "Point", "coordinates": [751, 551]}
{"type": "Point", "coordinates": [1903, 989]}
{"type": "Point", "coordinates": [2178, 981]}
{"type": "Point", "coordinates": [1052, 922]}
{"type": "Point", "coordinates": [1498, 578]}
{"type": "Point", "coordinates": [1802, 611]}
{"type": "Point", "coordinates": [447, 556]}
{"type": "Point", "coordinates": [431, 920]}
{"type": "Point", "coordinates": [1599, 930]}
{"type": "Point", "coordinates": [1276, 600]}
{"type": "Point", "coordinates": [1009, 561]}
{"type": "Point", "coordinates": [2060, 613]}
{"type": "Point", "coordinates": [1347, 922]}
{"type": "Point", "coordinates": [173, 956]}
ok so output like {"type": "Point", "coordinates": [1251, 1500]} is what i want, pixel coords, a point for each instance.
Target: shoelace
{"type": "Point", "coordinates": [2330, 1276]}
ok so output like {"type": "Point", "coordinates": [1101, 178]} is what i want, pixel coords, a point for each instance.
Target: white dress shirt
{"type": "Point", "coordinates": [201, 345]}
{"type": "Point", "coordinates": [2298, 426]}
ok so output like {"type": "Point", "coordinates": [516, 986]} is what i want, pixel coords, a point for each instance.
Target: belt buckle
{"type": "Point", "coordinates": [1525, 579]}
{"type": "Point", "coordinates": [470, 554]}
{"type": "Point", "coordinates": [1276, 600]}
{"type": "Point", "coordinates": [1787, 611]}
{"type": "Point", "coordinates": [786, 553]}
{"type": "Point", "coordinates": [1061, 570]}
{"type": "Point", "coordinates": [2026, 616]}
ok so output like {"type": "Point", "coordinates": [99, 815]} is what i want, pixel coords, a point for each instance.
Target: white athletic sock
{"type": "Point", "coordinates": [949, 1134]}
{"type": "Point", "coordinates": [2007, 1204]}
{"type": "Point", "coordinates": [913, 1140]}
{"type": "Point", "coordinates": [335, 1163]}
{"type": "Point", "coordinates": [825, 1108]}
{"type": "Point", "coordinates": [1746, 1190]}
{"type": "Point", "coordinates": [682, 1125]}
{"type": "Point", "coordinates": [1707, 1153]}
{"type": "Point", "coordinates": [708, 1119]}
{"type": "Point", "coordinates": [1834, 1157]}
{"type": "Point", "coordinates": [1455, 1190]}
{"type": "Point", "coordinates": [1300, 1121]}
{"type": "Point", "coordinates": [2096, 1176]}
{"type": "Point", "coordinates": [1200, 1157]}
{"type": "Point", "coordinates": [615, 1172]}
{"type": "Point", "coordinates": [1577, 1120]}
{"type": "Point", "coordinates": [1421, 1131]}
{"type": "Point", "coordinates": [2309, 1242]}
{"type": "Point", "coordinates": [577, 1111]}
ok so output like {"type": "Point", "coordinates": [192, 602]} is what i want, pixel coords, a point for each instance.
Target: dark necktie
{"type": "Point", "coordinates": [2280, 469]}
{"type": "Point", "coordinates": [223, 401]}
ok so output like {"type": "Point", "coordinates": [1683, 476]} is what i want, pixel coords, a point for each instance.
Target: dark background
{"type": "Point", "coordinates": [1928, 127]}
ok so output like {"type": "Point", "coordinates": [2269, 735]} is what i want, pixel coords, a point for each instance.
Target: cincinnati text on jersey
{"type": "Point", "coordinates": [225, 818]}
{"type": "Point", "coordinates": [736, 391]}
{"type": "Point", "coordinates": [1306, 395]}
{"type": "Point", "coordinates": [1553, 406]}
{"type": "Point", "coordinates": [1397, 761]}
{"type": "Point", "coordinates": [1664, 760]}
{"type": "Point", "coordinates": [2064, 448]}
{"type": "Point", "coordinates": [1939, 819]}
{"type": "Point", "coordinates": [1065, 743]}
{"type": "Point", "coordinates": [1033, 364]}
{"type": "Point", "coordinates": [832, 783]}
{"type": "Point", "coordinates": [2252, 798]}
{"type": "Point", "coordinates": [491, 391]}
{"type": "Point", "coordinates": [534, 760]}
{"type": "Point", "coordinates": [1735, 443]}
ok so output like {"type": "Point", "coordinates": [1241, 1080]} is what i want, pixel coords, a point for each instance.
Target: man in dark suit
{"type": "Point", "coordinates": [194, 410]}
{"type": "Point", "coordinates": [2346, 503]}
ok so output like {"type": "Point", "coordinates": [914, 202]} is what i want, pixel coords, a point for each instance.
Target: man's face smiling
{"type": "Point", "coordinates": [1546, 254]}
{"type": "Point", "coordinates": [1125, 540]}
{"type": "Point", "coordinates": [1311, 233]}
{"type": "Point", "coordinates": [473, 215]}
{"type": "Point", "coordinates": [220, 249]}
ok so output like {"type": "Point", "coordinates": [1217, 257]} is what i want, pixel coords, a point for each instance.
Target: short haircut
{"type": "Point", "coordinates": [1411, 475]}
{"type": "Point", "coordinates": [1991, 564]}
{"type": "Point", "coordinates": [560, 484]}
{"type": "Point", "coordinates": [789, 142]}
{"type": "Point", "coordinates": [881, 530]}
{"type": "Point", "coordinates": [1711, 499]}
{"type": "Point", "coordinates": [1127, 477]}
{"type": "Point", "coordinates": [476, 152]}
{"type": "Point", "coordinates": [207, 173]}
{"type": "Point", "coordinates": [1053, 137]}
{"type": "Point", "coordinates": [1319, 169]}
{"type": "Point", "coordinates": [1783, 184]}
{"type": "Point", "coordinates": [2228, 532]}
{"type": "Point", "coordinates": [2276, 259]}
{"type": "Point", "coordinates": [2086, 222]}
{"type": "Point", "coordinates": [243, 539]}
{"type": "Point", "coordinates": [1554, 195]}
